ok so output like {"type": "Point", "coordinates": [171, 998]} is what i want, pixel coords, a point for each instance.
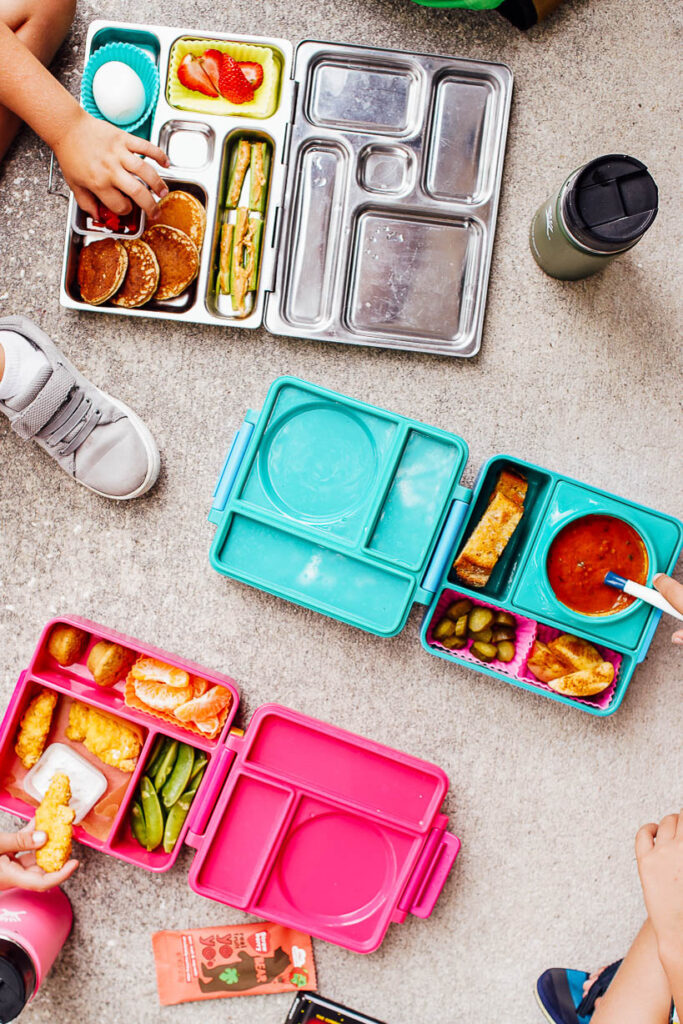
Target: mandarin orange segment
{"type": "Point", "coordinates": [200, 686]}
{"type": "Point", "coordinates": [158, 672]}
{"type": "Point", "coordinates": [161, 696]}
{"type": "Point", "coordinates": [209, 705]}
{"type": "Point", "coordinates": [210, 727]}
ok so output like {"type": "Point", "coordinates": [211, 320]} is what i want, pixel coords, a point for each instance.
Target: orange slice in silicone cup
{"type": "Point", "coordinates": [208, 706]}
{"type": "Point", "coordinates": [157, 671]}
{"type": "Point", "coordinates": [161, 696]}
{"type": "Point", "coordinates": [200, 686]}
{"type": "Point", "coordinates": [210, 727]}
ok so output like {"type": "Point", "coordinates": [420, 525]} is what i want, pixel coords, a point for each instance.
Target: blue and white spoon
{"type": "Point", "coordinates": [647, 594]}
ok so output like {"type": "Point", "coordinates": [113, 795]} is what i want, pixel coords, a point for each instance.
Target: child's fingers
{"type": "Point", "coordinates": [36, 881]}
{"type": "Point", "coordinates": [26, 839]}
{"type": "Point", "coordinates": [142, 169]}
{"type": "Point", "coordinates": [138, 192]}
{"type": "Point", "coordinates": [670, 589]}
{"type": "Point", "coordinates": [146, 148]}
{"type": "Point", "coordinates": [86, 201]}
{"type": "Point", "coordinates": [115, 200]}
{"type": "Point", "coordinates": [677, 637]}
{"type": "Point", "coordinates": [645, 839]}
{"type": "Point", "coordinates": [667, 827]}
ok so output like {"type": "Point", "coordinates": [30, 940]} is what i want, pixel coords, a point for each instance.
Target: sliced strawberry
{"type": "Point", "coordinates": [192, 75]}
{"type": "Point", "coordinates": [211, 61]}
{"type": "Point", "coordinates": [232, 83]}
{"type": "Point", "coordinates": [253, 72]}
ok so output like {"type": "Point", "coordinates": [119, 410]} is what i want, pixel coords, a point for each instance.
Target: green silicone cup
{"type": "Point", "coordinates": [142, 65]}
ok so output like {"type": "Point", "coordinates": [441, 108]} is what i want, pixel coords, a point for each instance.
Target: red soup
{"type": "Point", "coordinates": [584, 552]}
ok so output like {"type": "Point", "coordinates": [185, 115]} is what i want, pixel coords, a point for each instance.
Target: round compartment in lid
{"type": "Point", "coordinates": [611, 203]}
{"type": "Point", "coordinates": [336, 866]}
{"type": "Point", "coordinates": [318, 462]}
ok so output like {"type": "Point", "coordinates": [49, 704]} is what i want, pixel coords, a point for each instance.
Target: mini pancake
{"type": "Point", "coordinates": [142, 277]}
{"type": "Point", "coordinates": [178, 259]}
{"type": "Point", "coordinates": [102, 267]}
{"type": "Point", "coordinates": [181, 210]}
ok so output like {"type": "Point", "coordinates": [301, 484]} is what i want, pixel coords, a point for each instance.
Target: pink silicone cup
{"type": "Point", "coordinates": [601, 700]}
{"type": "Point", "coordinates": [526, 634]}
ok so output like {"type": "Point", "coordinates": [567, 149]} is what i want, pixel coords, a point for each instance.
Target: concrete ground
{"type": "Point", "coordinates": [583, 378]}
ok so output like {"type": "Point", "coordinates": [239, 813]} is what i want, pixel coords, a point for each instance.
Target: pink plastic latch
{"type": "Point", "coordinates": [431, 871]}
{"type": "Point", "coordinates": [200, 814]}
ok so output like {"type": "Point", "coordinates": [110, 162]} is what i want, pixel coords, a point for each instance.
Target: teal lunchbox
{"type": "Point", "coordinates": [358, 513]}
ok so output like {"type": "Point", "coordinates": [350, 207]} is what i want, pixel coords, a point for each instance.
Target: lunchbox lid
{"type": "Point", "coordinates": [338, 505]}
{"type": "Point", "coordinates": [321, 830]}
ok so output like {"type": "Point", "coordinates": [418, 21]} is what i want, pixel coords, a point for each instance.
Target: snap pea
{"type": "Point", "coordinates": [176, 818]}
{"type": "Point", "coordinates": [153, 815]}
{"type": "Point", "coordinates": [161, 744]}
{"type": "Point", "coordinates": [179, 777]}
{"type": "Point", "coordinates": [200, 762]}
{"type": "Point", "coordinates": [166, 765]}
{"type": "Point", "coordinates": [137, 824]}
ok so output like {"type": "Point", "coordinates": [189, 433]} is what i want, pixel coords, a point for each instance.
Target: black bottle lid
{"type": "Point", "coordinates": [522, 13]}
{"type": "Point", "coordinates": [611, 204]}
{"type": "Point", "coordinates": [17, 980]}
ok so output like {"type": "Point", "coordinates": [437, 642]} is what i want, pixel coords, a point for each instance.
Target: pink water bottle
{"type": "Point", "coordinates": [33, 928]}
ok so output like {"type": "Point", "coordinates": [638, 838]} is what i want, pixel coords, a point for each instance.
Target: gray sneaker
{"type": "Point", "coordinates": [96, 439]}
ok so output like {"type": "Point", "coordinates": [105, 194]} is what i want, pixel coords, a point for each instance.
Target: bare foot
{"type": "Point", "coordinates": [589, 981]}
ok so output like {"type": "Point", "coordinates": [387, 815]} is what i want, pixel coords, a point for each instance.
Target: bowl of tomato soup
{"type": "Point", "coordinates": [584, 551]}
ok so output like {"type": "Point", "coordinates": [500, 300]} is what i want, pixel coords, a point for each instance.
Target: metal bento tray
{"type": "Point", "coordinates": [384, 184]}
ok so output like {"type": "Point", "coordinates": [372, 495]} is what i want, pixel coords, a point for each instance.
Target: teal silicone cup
{"type": "Point", "coordinates": [142, 65]}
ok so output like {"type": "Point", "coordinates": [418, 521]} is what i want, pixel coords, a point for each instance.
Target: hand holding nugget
{"type": "Point", "coordinates": [23, 872]}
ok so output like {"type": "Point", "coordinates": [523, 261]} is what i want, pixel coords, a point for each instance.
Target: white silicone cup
{"type": "Point", "coordinates": [526, 634]}
{"type": "Point", "coordinates": [600, 700]}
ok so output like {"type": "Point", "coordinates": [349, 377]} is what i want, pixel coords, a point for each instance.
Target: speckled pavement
{"type": "Point", "coordinates": [583, 378]}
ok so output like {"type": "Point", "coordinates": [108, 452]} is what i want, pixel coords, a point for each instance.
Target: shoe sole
{"type": "Point", "coordinates": [154, 459]}
{"type": "Point", "coordinates": [542, 1007]}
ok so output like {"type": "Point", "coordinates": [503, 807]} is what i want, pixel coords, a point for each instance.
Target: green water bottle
{"type": "Point", "coordinates": [522, 13]}
{"type": "Point", "coordinates": [602, 209]}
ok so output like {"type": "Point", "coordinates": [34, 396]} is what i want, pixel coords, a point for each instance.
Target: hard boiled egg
{"type": "Point", "coordinates": [118, 92]}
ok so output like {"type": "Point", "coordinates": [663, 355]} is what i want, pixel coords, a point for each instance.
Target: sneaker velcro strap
{"type": "Point", "coordinates": [47, 402]}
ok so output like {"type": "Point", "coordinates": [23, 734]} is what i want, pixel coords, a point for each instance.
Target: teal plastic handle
{"type": "Point", "coordinates": [233, 461]}
{"type": "Point", "coordinates": [443, 549]}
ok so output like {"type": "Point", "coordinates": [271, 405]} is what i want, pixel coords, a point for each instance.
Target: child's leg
{"type": "Point", "coordinates": [42, 26]}
{"type": "Point", "coordinates": [640, 990]}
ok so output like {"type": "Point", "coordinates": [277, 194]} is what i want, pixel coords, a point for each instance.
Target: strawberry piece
{"type": "Point", "coordinates": [192, 75]}
{"type": "Point", "coordinates": [211, 61]}
{"type": "Point", "coordinates": [232, 83]}
{"type": "Point", "coordinates": [253, 72]}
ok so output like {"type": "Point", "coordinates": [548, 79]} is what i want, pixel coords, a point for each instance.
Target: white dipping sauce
{"type": "Point", "coordinates": [87, 783]}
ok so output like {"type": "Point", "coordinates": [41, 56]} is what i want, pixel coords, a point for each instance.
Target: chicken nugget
{"type": "Point", "coordinates": [67, 644]}
{"type": "Point", "coordinates": [55, 817]}
{"type": "Point", "coordinates": [35, 727]}
{"type": "Point", "coordinates": [115, 743]}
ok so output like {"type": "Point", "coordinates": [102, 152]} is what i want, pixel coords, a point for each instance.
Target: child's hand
{"type": "Point", "coordinates": [673, 592]}
{"type": "Point", "coordinates": [23, 872]}
{"type": "Point", "coordinates": [99, 160]}
{"type": "Point", "coordinates": [659, 850]}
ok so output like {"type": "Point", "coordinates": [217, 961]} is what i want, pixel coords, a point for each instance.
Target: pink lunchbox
{"type": "Point", "coordinates": [295, 820]}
